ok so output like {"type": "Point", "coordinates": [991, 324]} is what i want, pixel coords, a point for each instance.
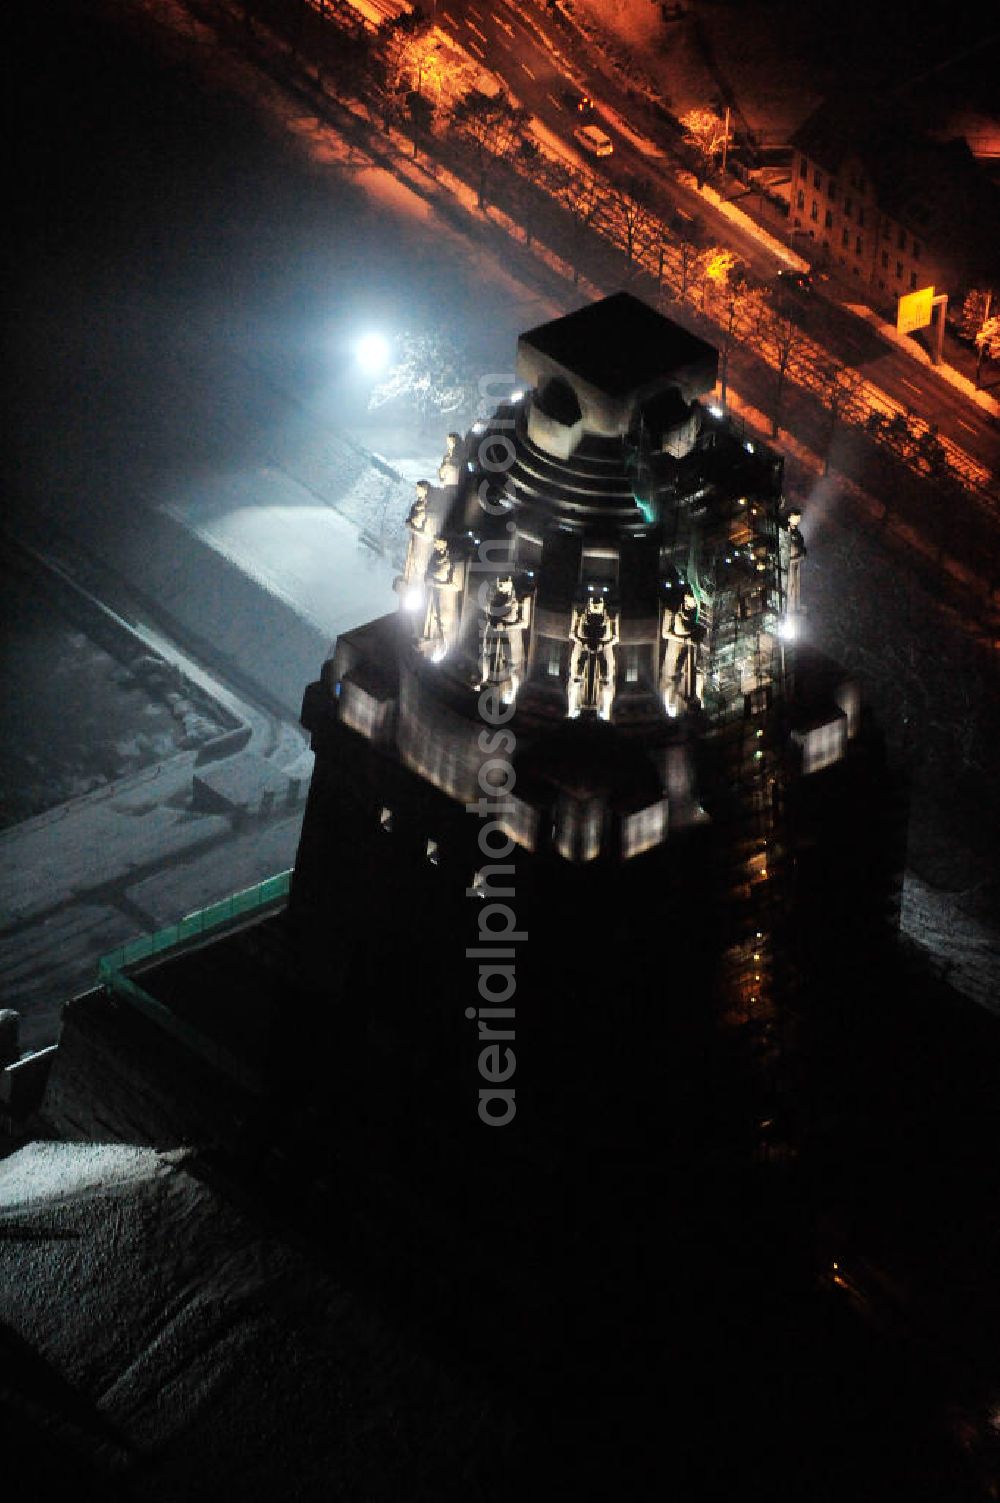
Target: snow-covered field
{"type": "Point", "coordinates": [299, 550]}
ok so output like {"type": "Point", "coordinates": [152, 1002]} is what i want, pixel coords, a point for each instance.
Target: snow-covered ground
{"type": "Point", "coordinates": [297, 549]}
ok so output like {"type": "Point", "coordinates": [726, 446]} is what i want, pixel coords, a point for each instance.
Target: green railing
{"type": "Point", "coordinates": [194, 925]}
{"type": "Point", "coordinates": [111, 969]}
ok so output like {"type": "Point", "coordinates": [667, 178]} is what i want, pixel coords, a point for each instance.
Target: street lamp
{"type": "Point", "coordinates": [372, 353]}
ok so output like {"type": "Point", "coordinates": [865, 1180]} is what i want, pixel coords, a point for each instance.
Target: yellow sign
{"type": "Point", "coordinates": [915, 309]}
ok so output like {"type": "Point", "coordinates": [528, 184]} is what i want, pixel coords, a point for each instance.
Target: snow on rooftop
{"type": "Point", "coordinates": [192, 1354]}
{"type": "Point", "coordinates": [44, 1174]}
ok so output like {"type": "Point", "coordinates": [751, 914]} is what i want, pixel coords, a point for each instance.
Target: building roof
{"type": "Point", "coordinates": [621, 345]}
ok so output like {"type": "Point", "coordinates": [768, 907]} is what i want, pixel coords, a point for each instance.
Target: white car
{"type": "Point", "coordinates": [594, 140]}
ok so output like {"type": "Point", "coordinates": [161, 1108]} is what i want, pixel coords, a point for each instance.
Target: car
{"type": "Point", "coordinates": [798, 281]}
{"type": "Point", "coordinates": [594, 140]}
{"type": "Point", "coordinates": [581, 104]}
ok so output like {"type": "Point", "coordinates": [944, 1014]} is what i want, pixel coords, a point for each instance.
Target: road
{"type": "Point", "coordinates": [528, 51]}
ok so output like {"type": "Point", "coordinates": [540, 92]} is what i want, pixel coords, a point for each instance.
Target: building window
{"type": "Point", "coordinates": [902, 240]}
{"type": "Point", "coordinates": [832, 189]}
{"type": "Point", "coordinates": [826, 245]}
{"type": "Point", "coordinates": [555, 662]}
{"type": "Point", "coordinates": [817, 179]}
{"type": "Point", "coordinates": [845, 238]}
{"type": "Point", "coordinates": [814, 211]}
{"type": "Point", "coordinates": [899, 268]}
{"type": "Point", "coordinates": [803, 167]}
{"type": "Point", "coordinates": [848, 206]}
{"type": "Point", "coordinates": [644, 829]}
{"type": "Point", "coordinates": [881, 285]}
{"type": "Point", "coordinates": [885, 260]}
{"type": "Point", "coordinates": [800, 200]}
{"type": "Point", "coordinates": [915, 250]}
{"type": "Point", "coordinates": [828, 220]}
{"type": "Point", "coordinates": [861, 215]}
{"type": "Point", "coordinates": [858, 245]}
{"type": "Point", "coordinates": [913, 281]}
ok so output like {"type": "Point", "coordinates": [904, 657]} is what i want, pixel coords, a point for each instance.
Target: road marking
{"type": "Point", "coordinates": [909, 384]}
{"type": "Point", "coordinates": [504, 25]}
{"type": "Point", "coordinates": [555, 101]}
{"type": "Point", "coordinates": [480, 34]}
{"type": "Point", "coordinates": [474, 12]}
{"type": "Point", "coordinates": [527, 70]}
{"type": "Point", "coordinates": [448, 21]}
{"type": "Point", "coordinates": [475, 47]}
{"type": "Point", "coordinates": [963, 424]}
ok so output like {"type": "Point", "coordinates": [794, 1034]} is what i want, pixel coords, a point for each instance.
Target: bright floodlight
{"type": "Point", "coordinates": [373, 353]}
{"type": "Point", "coordinates": [413, 599]}
{"type": "Point", "coordinates": [787, 629]}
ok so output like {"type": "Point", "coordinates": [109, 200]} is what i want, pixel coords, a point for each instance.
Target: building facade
{"type": "Point", "coordinates": [889, 210]}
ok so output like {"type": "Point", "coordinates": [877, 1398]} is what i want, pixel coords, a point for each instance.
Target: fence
{"type": "Point", "coordinates": [111, 970]}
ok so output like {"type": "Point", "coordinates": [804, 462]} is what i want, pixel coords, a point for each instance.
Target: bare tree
{"type": "Point", "coordinates": [715, 269]}
{"type": "Point", "coordinates": [781, 340]}
{"type": "Point", "coordinates": [690, 257]}
{"type": "Point", "coordinates": [401, 42]}
{"type": "Point", "coordinates": [540, 178]}
{"type": "Point", "coordinates": [429, 377]}
{"type": "Point", "coordinates": [630, 204]}
{"type": "Point", "coordinates": [494, 126]}
{"type": "Point", "coordinates": [840, 388]}
{"type": "Point", "coordinates": [585, 197]}
{"type": "Point", "coordinates": [707, 134]}
{"type": "Point", "coordinates": [421, 113]}
{"type": "Point", "coordinates": [974, 323]}
{"type": "Point", "coordinates": [987, 344]}
{"type": "Point", "coordinates": [737, 307]}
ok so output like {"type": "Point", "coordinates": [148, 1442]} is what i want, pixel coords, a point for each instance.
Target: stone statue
{"type": "Point", "coordinates": [448, 468]}
{"type": "Point", "coordinates": [416, 517]}
{"type": "Point", "coordinates": [443, 583]}
{"type": "Point", "coordinates": [796, 553]}
{"type": "Point", "coordinates": [594, 634]}
{"type": "Point", "coordinates": [501, 639]}
{"type": "Point", "coordinates": [678, 680]}
{"type": "Point", "coordinates": [419, 548]}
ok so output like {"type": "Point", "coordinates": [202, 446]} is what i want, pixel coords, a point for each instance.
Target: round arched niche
{"type": "Point", "coordinates": [555, 421]}
{"type": "Point", "coordinates": [671, 424]}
